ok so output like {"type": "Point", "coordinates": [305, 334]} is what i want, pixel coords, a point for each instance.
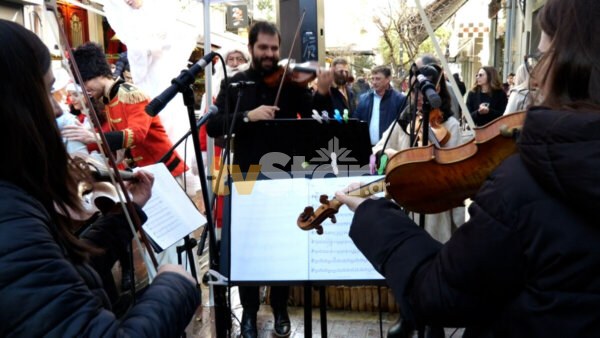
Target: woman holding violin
{"type": "Point", "coordinates": [522, 265]}
{"type": "Point", "coordinates": [45, 269]}
{"type": "Point", "coordinates": [445, 133]}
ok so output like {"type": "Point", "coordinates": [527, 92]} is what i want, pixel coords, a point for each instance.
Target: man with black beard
{"type": "Point", "coordinates": [258, 103]}
{"type": "Point", "coordinates": [333, 88]}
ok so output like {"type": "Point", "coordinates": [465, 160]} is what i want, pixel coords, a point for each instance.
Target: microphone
{"type": "Point", "coordinates": [241, 84]}
{"type": "Point", "coordinates": [428, 90]}
{"type": "Point", "coordinates": [212, 110]}
{"type": "Point", "coordinates": [185, 78]}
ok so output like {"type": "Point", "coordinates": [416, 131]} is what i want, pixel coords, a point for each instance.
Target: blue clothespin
{"type": "Point", "coordinates": [346, 115]}
{"type": "Point", "coordinates": [316, 116]}
{"type": "Point", "coordinates": [337, 116]}
{"type": "Point", "coordinates": [325, 115]}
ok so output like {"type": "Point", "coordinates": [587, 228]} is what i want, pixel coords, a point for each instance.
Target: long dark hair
{"type": "Point", "coordinates": [492, 77]}
{"type": "Point", "coordinates": [436, 74]}
{"type": "Point", "coordinates": [35, 157]}
{"type": "Point", "coordinates": [569, 72]}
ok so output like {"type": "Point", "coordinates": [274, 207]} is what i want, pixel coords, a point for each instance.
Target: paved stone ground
{"type": "Point", "coordinates": [346, 324]}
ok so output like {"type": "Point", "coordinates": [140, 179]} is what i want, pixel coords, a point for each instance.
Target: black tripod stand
{"type": "Point", "coordinates": [182, 84]}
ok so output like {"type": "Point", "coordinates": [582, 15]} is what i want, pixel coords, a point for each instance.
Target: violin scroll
{"type": "Point", "coordinates": [312, 219]}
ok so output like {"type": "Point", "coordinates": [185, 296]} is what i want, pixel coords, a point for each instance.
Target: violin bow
{"type": "Point", "coordinates": [445, 65]}
{"type": "Point", "coordinates": [287, 65]}
{"type": "Point", "coordinates": [128, 209]}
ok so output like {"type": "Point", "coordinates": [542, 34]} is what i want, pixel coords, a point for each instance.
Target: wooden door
{"type": "Point", "coordinates": [74, 21]}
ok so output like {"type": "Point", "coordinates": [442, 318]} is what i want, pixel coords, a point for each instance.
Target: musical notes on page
{"type": "Point", "coordinates": [267, 245]}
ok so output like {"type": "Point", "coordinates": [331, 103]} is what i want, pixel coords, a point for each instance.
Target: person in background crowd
{"type": "Point", "coordinates": [379, 106]}
{"type": "Point", "coordinates": [486, 100]}
{"type": "Point", "coordinates": [510, 82]}
{"type": "Point", "coordinates": [160, 37]}
{"type": "Point", "coordinates": [519, 98]}
{"type": "Point", "coordinates": [460, 83]}
{"type": "Point", "coordinates": [333, 88]}
{"type": "Point", "coordinates": [522, 265]}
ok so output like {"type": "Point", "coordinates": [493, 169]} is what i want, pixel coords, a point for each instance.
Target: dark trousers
{"type": "Point", "coordinates": [250, 299]}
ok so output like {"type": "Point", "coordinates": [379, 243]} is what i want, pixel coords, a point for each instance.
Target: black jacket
{"type": "Point", "coordinates": [525, 263]}
{"type": "Point", "coordinates": [336, 100]}
{"type": "Point", "coordinates": [497, 101]}
{"type": "Point", "coordinates": [42, 293]}
{"type": "Point", "coordinates": [293, 100]}
{"type": "Point", "coordinates": [391, 104]}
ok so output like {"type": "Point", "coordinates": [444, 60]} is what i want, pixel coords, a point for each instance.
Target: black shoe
{"type": "Point", "coordinates": [400, 329]}
{"type": "Point", "coordinates": [282, 325]}
{"type": "Point", "coordinates": [248, 325]}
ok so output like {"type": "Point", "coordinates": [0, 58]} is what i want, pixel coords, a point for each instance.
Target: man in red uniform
{"type": "Point", "coordinates": [128, 126]}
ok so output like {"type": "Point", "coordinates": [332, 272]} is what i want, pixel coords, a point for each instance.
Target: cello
{"type": "Point", "coordinates": [449, 175]}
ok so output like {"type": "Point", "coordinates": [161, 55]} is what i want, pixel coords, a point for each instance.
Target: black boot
{"type": "Point", "coordinates": [400, 329]}
{"type": "Point", "coordinates": [248, 325]}
{"type": "Point", "coordinates": [282, 324]}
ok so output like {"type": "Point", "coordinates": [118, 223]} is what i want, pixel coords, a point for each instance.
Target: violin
{"type": "Point", "coordinates": [442, 135]}
{"type": "Point", "coordinates": [447, 176]}
{"type": "Point", "coordinates": [298, 74]}
{"type": "Point", "coordinates": [96, 192]}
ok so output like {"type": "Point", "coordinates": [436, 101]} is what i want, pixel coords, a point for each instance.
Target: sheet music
{"type": "Point", "coordinates": [171, 214]}
{"type": "Point", "coordinates": [267, 245]}
{"type": "Point", "coordinates": [333, 255]}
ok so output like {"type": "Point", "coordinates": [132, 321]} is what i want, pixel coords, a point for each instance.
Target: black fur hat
{"type": "Point", "coordinates": [91, 61]}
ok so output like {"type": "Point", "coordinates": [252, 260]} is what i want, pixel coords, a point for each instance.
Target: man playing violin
{"type": "Point", "coordinates": [256, 104]}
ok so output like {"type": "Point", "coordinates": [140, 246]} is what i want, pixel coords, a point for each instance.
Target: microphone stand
{"type": "Point", "coordinates": [221, 311]}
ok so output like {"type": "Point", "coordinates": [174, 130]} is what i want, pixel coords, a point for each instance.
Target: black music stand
{"type": "Point", "coordinates": [307, 145]}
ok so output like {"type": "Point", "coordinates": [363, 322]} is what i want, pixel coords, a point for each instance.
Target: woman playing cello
{"type": "Point", "coordinates": [520, 267]}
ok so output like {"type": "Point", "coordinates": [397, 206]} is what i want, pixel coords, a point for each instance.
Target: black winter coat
{"type": "Point", "coordinates": [336, 100]}
{"type": "Point", "coordinates": [42, 293]}
{"type": "Point", "coordinates": [497, 101]}
{"type": "Point", "coordinates": [525, 263]}
{"type": "Point", "coordinates": [293, 100]}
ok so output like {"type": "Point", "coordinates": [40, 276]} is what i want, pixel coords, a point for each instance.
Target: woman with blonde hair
{"type": "Point", "coordinates": [519, 97]}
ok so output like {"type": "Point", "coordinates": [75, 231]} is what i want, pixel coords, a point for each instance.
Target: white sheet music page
{"type": "Point", "coordinates": [333, 255]}
{"type": "Point", "coordinates": [266, 243]}
{"type": "Point", "coordinates": [171, 214]}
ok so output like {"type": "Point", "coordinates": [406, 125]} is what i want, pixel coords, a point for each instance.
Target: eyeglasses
{"type": "Point", "coordinates": [239, 59]}
{"type": "Point", "coordinates": [531, 60]}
